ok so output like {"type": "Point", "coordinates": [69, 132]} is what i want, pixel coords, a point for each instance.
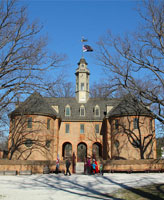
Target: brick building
{"type": "Point", "coordinates": [43, 127]}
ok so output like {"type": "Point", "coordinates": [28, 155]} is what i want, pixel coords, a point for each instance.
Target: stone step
{"type": "Point", "coordinates": [11, 173]}
{"type": "Point", "coordinates": [26, 172]}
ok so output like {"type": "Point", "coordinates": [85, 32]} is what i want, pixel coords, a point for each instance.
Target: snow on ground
{"type": "Point", "coordinates": [75, 187]}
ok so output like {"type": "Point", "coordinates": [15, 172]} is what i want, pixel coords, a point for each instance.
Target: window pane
{"type": "Point", "coordinates": [97, 128]}
{"type": "Point", "coordinates": [116, 124]}
{"type": "Point", "coordinates": [48, 142]}
{"type": "Point", "coordinates": [81, 128]}
{"type": "Point", "coordinates": [29, 124]}
{"type": "Point", "coordinates": [67, 128]}
{"type": "Point", "coordinates": [97, 112]}
{"type": "Point", "coordinates": [151, 124]}
{"type": "Point", "coordinates": [28, 143]}
{"type": "Point", "coordinates": [48, 123]}
{"type": "Point", "coordinates": [82, 86]}
{"type": "Point", "coordinates": [82, 112]}
{"type": "Point", "coordinates": [87, 86]}
{"type": "Point", "coordinates": [67, 112]}
{"type": "Point", "coordinates": [135, 123]}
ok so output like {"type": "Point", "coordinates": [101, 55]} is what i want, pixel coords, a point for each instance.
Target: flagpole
{"type": "Point", "coordinates": [82, 41]}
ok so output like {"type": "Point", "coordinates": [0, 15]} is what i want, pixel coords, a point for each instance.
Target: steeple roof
{"type": "Point", "coordinates": [82, 61]}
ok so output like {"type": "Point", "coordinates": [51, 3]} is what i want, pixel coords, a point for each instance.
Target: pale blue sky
{"type": "Point", "coordinates": [66, 22]}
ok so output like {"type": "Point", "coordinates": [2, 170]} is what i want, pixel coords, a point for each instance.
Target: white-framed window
{"type": "Point", "coordinates": [97, 128]}
{"type": "Point", "coordinates": [67, 128]}
{"type": "Point", "coordinates": [67, 111]}
{"type": "Point", "coordinates": [97, 111]}
{"type": "Point", "coordinates": [82, 111]}
{"type": "Point", "coordinates": [81, 128]}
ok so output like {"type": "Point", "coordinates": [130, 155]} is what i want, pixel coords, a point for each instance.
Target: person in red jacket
{"type": "Point", "coordinates": [96, 167]}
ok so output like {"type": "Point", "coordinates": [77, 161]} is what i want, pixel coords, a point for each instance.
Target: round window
{"type": "Point", "coordinates": [48, 142]}
{"type": "Point", "coordinates": [28, 143]}
{"type": "Point", "coordinates": [116, 143]}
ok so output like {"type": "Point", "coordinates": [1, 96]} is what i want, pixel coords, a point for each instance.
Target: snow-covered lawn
{"type": "Point", "coordinates": [75, 187]}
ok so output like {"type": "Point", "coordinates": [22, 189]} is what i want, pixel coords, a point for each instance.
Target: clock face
{"type": "Point", "coordinates": [81, 75]}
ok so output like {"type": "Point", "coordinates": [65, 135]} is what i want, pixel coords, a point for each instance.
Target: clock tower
{"type": "Point", "coordinates": [82, 81]}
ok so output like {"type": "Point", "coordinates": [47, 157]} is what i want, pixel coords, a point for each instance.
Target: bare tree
{"type": "Point", "coordinates": [105, 89]}
{"type": "Point", "coordinates": [136, 60]}
{"type": "Point", "coordinates": [60, 87]}
{"type": "Point", "coordinates": [101, 90]}
{"type": "Point", "coordinates": [23, 54]}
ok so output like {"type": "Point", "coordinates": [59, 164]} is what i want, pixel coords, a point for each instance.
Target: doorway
{"type": "Point", "coordinates": [81, 152]}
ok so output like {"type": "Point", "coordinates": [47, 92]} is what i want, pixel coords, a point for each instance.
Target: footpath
{"type": "Point", "coordinates": [74, 187]}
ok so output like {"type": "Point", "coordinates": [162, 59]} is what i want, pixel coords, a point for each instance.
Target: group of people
{"type": "Point", "coordinates": [89, 167]}
{"type": "Point", "coordinates": [92, 167]}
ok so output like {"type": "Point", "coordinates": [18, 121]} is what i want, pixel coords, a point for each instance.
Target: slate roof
{"type": "Point", "coordinates": [75, 108]}
{"type": "Point", "coordinates": [35, 104]}
{"type": "Point", "coordinates": [129, 106]}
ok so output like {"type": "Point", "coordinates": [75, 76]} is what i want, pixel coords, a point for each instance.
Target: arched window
{"type": "Point", "coordinates": [67, 111]}
{"type": "Point", "coordinates": [82, 110]}
{"type": "Point", "coordinates": [97, 111]}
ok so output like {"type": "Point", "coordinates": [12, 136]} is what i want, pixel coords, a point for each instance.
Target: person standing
{"type": "Point", "coordinates": [101, 169]}
{"type": "Point", "coordinates": [57, 165]}
{"type": "Point", "coordinates": [88, 166]}
{"type": "Point", "coordinates": [93, 166]}
{"type": "Point", "coordinates": [68, 164]}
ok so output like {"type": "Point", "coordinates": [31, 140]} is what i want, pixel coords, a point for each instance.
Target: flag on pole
{"type": "Point", "coordinates": [87, 48]}
{"type": "Point", "coordinates": [84, 40]}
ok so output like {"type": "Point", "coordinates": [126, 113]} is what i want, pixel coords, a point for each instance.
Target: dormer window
{"type": "Point", "coordinates": [97, 111]}
{"type": "Point", "coordinates": [67, 111]}
{"type": "Point", "coordinates": [82, 111]}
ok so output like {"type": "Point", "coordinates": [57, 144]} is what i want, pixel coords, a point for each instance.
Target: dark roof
{"type": "Point", "coordinates": [75, 108]}
{"type": "Point", "coordinates": [35, 104]}
{"type": "Point", "coordinates": [129, 106]}
{"type": "Point", "coordinates": [83, 61]}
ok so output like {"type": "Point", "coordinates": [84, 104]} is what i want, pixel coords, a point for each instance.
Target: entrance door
{"type": "Point", "coordinates": [81, 152]}
{"type": "Point", "coordinates": [96, 150]}
{"type": "Point", "coordinates": [67, 149]}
